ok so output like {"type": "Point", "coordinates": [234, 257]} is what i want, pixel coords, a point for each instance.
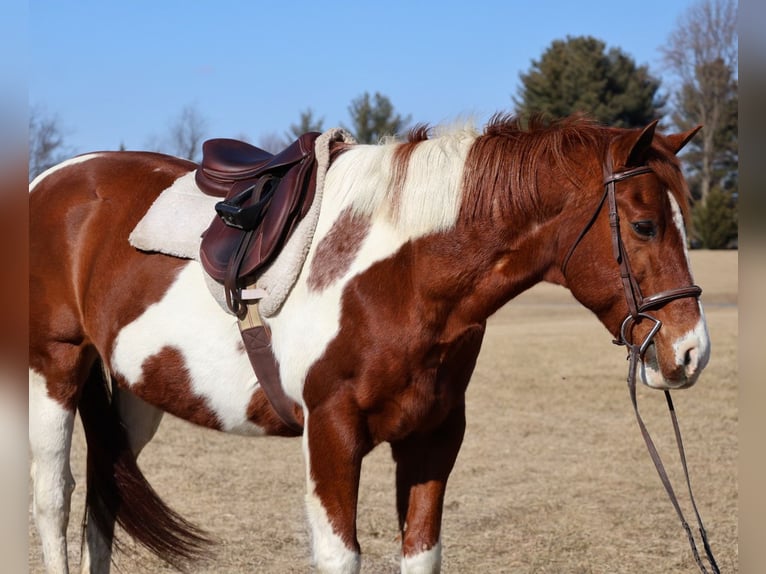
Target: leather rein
{"type": "Point", "coordinates": [637, 307]}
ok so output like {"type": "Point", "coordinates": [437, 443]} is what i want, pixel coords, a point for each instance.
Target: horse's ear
{"type": "Point", "coordinates": [641, 145]}
{"type": "Point", "coordinates": [676, 142]}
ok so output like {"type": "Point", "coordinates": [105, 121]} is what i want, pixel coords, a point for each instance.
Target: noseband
{"type": "Point", "coordinates": [638, 305]}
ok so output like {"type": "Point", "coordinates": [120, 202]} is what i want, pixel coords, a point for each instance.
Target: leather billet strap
{"type": "Point", "coordinates": [233, 217]}
{"type": "Point", "coordinates": [257, 340]}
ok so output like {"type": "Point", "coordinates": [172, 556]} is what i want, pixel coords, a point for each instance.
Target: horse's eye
{"type": "Point", "coordinates": [645, 228]}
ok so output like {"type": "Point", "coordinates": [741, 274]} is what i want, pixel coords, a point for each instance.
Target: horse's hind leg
{"type": "Point", "coordinates": [140, 420]}
{"type": "Point", "coordinates": [50, 440]}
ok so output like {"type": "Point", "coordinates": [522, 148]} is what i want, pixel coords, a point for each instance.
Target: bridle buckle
{"type": "Point", "coordinates": [647, 340]}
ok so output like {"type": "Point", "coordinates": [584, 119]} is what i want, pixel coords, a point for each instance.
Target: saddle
{"type": "Point", "coordinates": [264, 197]}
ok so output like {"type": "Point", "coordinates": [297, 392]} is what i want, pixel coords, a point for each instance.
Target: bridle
{"type": "Point", "coordinates": [638, 305]}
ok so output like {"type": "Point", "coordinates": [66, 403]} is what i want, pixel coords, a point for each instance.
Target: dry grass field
{"type": "Point", "coordinates": [553, 476]}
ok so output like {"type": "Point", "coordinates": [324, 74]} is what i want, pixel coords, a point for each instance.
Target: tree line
{"type": "Point", "coordinates": [573, 75]}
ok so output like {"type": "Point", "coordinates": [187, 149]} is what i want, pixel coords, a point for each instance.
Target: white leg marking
{"type": "Point", "coordinates": [189, 320]}
{"type": "Point", "coordinates": [330, 553]}
{"type": "Point", "coordinates": [50, 440]}
{"type": "Point", "coordinates": [426, 562]}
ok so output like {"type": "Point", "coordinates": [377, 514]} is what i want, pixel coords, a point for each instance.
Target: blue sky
{"type": "Point", "coordinates": [120, 72]}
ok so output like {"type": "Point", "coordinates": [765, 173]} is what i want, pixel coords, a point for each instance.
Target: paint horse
{"type": "Point", "coordinates": [418, 242]}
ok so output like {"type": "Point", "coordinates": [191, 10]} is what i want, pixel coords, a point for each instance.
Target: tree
{"type": "Point", "coordinates": [578, 75]}
{"type": "Point", "coordinates": [307, 124]}
{"type": "Point", "coordinates": [702, 54]}
{"type": "Point", "coordinates": [373, 120]}
{"type": "Point", "coordinates": [46, 141]}
{"type": "Point", "coordinates": [714, 223]}
{"type": "Point", "coordinates": [185, 135]}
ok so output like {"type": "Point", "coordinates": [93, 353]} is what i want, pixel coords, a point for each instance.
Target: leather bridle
{"type": "Point", "coordinates": [638, 305]}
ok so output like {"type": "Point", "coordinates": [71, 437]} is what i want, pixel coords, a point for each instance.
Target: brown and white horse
{"type": "Point", "coordinates": [417, 244]}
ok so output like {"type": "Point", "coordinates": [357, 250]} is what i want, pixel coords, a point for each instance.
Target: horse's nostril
{"type": "Point", "coordinates": [690, 359]}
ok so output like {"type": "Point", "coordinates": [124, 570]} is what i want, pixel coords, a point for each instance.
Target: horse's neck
{"type": "Point", "coordinates": [479, 256]}
{"type": "Point", "coordinates": [478, 266]}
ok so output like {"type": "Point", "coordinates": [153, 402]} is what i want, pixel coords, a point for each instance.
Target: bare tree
{"type": "Point", "coordinates": [271, 142]}
{"type": "Point", "coordinates": [46, 141]}
{"type": "Point", "coordinates": [274, 143]}
{"type": "Point", "coordinates": [702, 54]}
{"type": "Point", "coordinates": [187, 132]}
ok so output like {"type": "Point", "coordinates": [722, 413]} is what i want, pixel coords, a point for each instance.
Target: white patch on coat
{"type": "Point", "coordinates": [361, 179]}
{"type": "Point", "coordinates": [691, 349]}
{"type": "Point", "coordinates": [189, 320]}
{"type": "Point", "coordinates": [60, 166]}
{"type": "Point", "coordinates": [695, 343]}
{"type": "Point", "coordinates": [678, 220]}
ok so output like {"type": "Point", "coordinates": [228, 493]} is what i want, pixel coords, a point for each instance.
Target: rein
{"type": "Point", "coordinates": [637, 307]}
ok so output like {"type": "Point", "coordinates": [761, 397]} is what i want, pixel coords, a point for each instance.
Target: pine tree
{"type": "Point", "coordinates": [578, 75]}
{"type": "Point", "coordinates": [307, 123]}
{"type": "Point", "coordinates": [373, 120]}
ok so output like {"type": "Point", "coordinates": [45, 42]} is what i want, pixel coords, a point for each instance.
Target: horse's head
{"type": "Point", "coordinates": [633, 271]}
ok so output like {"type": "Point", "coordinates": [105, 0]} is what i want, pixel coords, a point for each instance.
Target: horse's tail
{"type": "Point", "coordinates": [118, 492]}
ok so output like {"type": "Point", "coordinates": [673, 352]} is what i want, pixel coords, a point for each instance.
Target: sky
{"type": "Point", "coordinates": [119, 73]}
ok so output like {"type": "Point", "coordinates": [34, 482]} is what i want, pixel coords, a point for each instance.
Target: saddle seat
{"type": "Point", "coordinates": [264, 197]}
{"type": "Point", "coordinates": [226, 161]}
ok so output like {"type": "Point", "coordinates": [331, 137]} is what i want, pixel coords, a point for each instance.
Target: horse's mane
{"type": "Point", "coordinates": [503, 166]}
{"type": "Point", "coordinates": [439, 174]}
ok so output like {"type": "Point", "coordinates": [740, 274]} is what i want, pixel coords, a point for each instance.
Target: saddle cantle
{"type": "Point", "coordinates": [265, 196]}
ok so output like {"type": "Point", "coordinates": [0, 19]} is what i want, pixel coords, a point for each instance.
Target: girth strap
{"type": "Point", "coordinates": [257, 340]}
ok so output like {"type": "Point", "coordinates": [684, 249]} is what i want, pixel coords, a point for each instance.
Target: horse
{"type": "Point", "coordinates": [418, 242]}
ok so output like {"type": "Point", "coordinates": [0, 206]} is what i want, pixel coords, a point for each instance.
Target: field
{"type": "Point", "coordinates": [553, 476]}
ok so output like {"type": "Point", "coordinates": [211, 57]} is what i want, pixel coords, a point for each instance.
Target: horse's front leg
{"type": "Point", "coordinates": [334, 444]}
{"type": "Point", "coordinates": [423, 464]}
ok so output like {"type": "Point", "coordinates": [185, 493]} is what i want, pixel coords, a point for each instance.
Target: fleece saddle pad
{"type": "Point", "coordinates": [175, 222]}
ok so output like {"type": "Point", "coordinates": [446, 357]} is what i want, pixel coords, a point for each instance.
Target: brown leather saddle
{"type": "Point", "coordinates": [264, 197]}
